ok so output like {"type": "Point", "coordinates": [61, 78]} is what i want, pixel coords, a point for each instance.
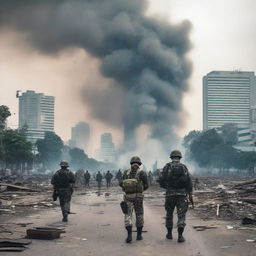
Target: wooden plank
{"type": "Point", "coordinates": [16, 187]}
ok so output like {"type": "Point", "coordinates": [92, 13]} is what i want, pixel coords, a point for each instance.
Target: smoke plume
{"type": "Point", "coordinates": [143, 58]}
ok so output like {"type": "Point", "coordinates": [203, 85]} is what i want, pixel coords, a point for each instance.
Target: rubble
{"type": "Point", "coordinates": [226, 198]}
{"type": "Point", "coordinates": [24, 194]}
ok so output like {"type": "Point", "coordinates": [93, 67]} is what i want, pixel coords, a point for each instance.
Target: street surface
{"type": "Point", "coordinates": [97, 229]}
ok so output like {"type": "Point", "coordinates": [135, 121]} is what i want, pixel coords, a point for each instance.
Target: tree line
{"type": "Point", "coordinates": [16, 152]}
{"type": "Point", "coordinates": [215, 149]}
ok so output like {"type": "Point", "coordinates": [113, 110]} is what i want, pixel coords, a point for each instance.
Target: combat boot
{"type": "Point", "coordinates": [129, 234]}
{"type": "Point", "coordinates": [65, 218]}
{"type": "Point", "coordinates": [139, 233]}
{"type": "Point", "coordinates": [169, 233]}
{"type": "Point", "coordinates": [181, 239]}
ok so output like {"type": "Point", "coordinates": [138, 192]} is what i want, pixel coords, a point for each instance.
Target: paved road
{"type": "Point", "coordinates": [97, 229]}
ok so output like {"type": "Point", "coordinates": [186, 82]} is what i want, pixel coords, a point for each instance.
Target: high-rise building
{"type": "Point", "coordinates": [228, 97]}
{"type": "Point", "coordinates": [107, 148]}
{"type": "Point", "coordinates": [36, 112]}
{"type": "Point", "coordinates": [80, 136]}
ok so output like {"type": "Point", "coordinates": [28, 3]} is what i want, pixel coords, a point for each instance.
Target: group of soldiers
{"type": "Point", "coordinates": [99, 178]}
{"type": "Point", "coordinates": [175, 178]}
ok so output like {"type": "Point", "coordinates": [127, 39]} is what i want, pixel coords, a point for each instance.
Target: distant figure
{"type": "Point", "coordinates": [87, 177]}
{"type": "Point", "coordinates": [176, 180]}
{"type": "Point", "coordinates": [119, 176]}
{"type": "Point", "coordinates": [196, 184]}
{"type": "Point", "coordinates": [99, 179]}
{"type": "Point", "coordinates": [63, 181]}
{"type": "Point", "coordinates": [133, 183]}
{"type": "Point", "coordinates": [108, 177]}
{"type": "Point", "coordinates": [150, 178]}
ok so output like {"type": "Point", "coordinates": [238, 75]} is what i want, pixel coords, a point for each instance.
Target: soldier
{"type": "Point", "coordinates": [119, 176]}
{"type": "Point", "coordinates": [87, 177]}
{"type": "Point", "coordinates": [99, 179]}
{"type": "Point", "coordinates": [134, 182]}
{"type": "Point", "coordinates": [63, 181]}
{"type": "Point", "coordinates": [108, 178]}
{"type": "Point", "coordinates": [176, 180]}
{"type": "Point", "coordinates": [150, 178]}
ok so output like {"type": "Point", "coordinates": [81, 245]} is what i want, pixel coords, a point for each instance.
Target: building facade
{"type": "Point", "coordinates": [228, 97]}
{"type": "Point", "coordinates": [36, 112]}
{"type": "Point", "coordinates": [107, 148]}
{"type": "Point", "coordinates": [80, 136]}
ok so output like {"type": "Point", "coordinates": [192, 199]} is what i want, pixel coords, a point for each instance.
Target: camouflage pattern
{"type": "Point", "coordinates": [135, 159]}
{"type": "Point", "coordinates": [175, 153]}
{"type": "Point", "coordinates": [65, 198]}
{"type": "Point", "coordinates": [176, 180]}
{"type": "Point", "coordinates": [181, 204]}
{"type": "Point", "coordinates": [135, 201]}
{"type": "Point", "coordinates": [63, 181]}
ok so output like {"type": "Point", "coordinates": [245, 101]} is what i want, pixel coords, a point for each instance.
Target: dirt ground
{"type": "Point", "coordinates": [97, 228]}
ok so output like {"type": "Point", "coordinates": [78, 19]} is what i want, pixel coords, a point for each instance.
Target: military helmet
{"type": "Point", "coordinates": [135, 159]}
{"type": "Point", "coordinates": [64, 163]}
{"type": "Point", "coordinates": [175, 153]}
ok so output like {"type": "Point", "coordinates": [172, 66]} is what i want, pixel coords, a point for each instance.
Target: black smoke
{"type": "Point", "coordinates": [143, 56]}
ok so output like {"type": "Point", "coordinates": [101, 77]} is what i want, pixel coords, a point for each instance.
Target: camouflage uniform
{"type": "Point", "coordinates": [176, 180]}
{"type": "Point", "coordinates": [62, 182]}
{"type": "Point", "coordinates": [177, 187]}
{"type": "Point", "coordinates": [135, 201]}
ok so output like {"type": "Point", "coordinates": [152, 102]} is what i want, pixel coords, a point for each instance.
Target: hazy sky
{"type": "Point", "coordinates": [223, 37]}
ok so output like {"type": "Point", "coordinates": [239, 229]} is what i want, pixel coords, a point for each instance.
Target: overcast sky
{"type": "Point", "coordinates": [223, 37]}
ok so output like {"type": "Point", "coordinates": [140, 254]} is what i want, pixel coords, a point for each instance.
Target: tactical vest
{"type": "Point", "coordinates": [132, 185]}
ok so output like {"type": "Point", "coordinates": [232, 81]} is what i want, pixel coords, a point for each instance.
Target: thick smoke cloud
{"type": "Point", "coordinates": [142, 56]}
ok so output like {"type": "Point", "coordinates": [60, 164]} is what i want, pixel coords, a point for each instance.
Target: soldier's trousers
{"type": "Point", "coordinates": [108, 183]}
{"type": "Point", "coordinates": [134, 203]}
{"type": "Point", "coordinates": [99, 184]}
{"type": "Point", "coordinates": [65, 198]}
{"type": "Point", "coordinates": [181, 204]}
{"type": "Point", "coordinates": [87, 183]}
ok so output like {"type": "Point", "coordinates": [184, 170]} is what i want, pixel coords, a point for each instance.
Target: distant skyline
{"type": "Point", "coordinates": [223, 38]}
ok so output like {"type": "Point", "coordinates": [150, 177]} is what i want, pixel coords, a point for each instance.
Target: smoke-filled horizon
{"type": "Point", "coordinates": [143, 58]}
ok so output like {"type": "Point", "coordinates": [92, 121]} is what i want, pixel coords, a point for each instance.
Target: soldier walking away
{"type": "Point", "coordinates": [108, 177]}
{"type": "Point", "coordinates": [176, 180]}
{"type": "Point", "coordinates": [134, 182]}
{"type": "Point", "coordinates": [63, 181]}
{"type": "Point", "coordinates": [119, 176]}
{"type": "Point", "coordinates": [99, 179]}
{"type": "Point", "coordinates": [87, 177]}
{"type": "Point", "coordinates": [150, 178]}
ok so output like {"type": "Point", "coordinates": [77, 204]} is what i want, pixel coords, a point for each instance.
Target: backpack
{"type": "Point", "coordinates": [178, 176]}
{"type": "Point", "coordinates": [132, 185]}
{"type": "Point", "coordinates": [62, 179]}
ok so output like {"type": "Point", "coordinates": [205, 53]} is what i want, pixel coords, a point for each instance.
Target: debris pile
{"type": "Point", "coordinates": [229, 200]}
{"type": "Point", "coordinates": [16, 197]}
